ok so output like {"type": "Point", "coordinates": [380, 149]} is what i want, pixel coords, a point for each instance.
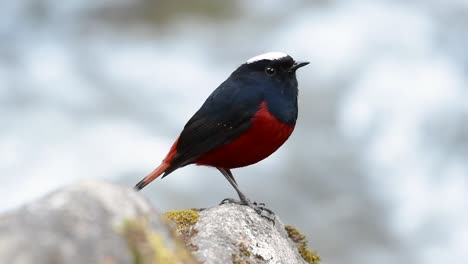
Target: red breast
{"type": "Point", "coordinates": [263, 138]}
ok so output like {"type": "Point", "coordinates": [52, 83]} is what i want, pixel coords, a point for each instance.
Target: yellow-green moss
{"type": "Point", "coordinates": [243, 256]}
{"type": "Point", "coordinates": [239, 259]}
{"type": "Point", "coordinates": [183, 219]}
{"type": "Point", "coordinates": [301, 243]}
{"type": "Point", "coordinates": [244, 250]}
{"type": "Point", "coordinates": [149, 247]}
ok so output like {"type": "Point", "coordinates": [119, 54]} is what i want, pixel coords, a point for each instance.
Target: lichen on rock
{"type": "Point", "coordinates": [148, 247]}
{"type": "Point", "coordinates": [300, 240]}
{"type": "Point", "coordinates": [184, 220]}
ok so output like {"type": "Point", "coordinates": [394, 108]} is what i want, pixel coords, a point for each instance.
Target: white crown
{"type": "Point", "coordinates": [268, 56]}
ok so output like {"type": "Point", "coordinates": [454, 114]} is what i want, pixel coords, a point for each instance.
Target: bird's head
{"type": "Point", "coordinates": [275, 62]}
{"type": "Point", "coordinates": [270, 77]}
{"type": "Point", "coordinates": [272, 69]}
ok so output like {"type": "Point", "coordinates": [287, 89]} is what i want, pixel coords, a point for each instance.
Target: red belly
{"type": "Point", "coordinates": [263, 138]}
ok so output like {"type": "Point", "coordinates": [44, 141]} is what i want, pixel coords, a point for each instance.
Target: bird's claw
{"type": "Point", "coordinates": [229, 200]}
{"type": "Point", "coordinates": [259, 208]}
{"type": "Point", "coordinates": [264, 212]}
{"type": "Point", "coordinates": [259, 204]}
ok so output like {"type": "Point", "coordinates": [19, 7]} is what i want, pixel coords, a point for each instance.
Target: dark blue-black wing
{"type": "Point", "coordinates": [225, 115]}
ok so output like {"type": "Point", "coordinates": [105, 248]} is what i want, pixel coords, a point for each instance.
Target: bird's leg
{"type": "Point", "coordinates": [259, 208]}
{"type": "Point", "coordinates": [228, 175]}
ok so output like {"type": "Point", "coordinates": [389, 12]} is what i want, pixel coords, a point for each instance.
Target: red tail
{"type": "Point", "coordinates": [159, 170]}
{"type": "Point", "coordinates": [153, 175]}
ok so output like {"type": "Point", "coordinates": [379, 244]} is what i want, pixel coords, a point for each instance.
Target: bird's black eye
{"type": "Point", "coordinates": [270, 71]}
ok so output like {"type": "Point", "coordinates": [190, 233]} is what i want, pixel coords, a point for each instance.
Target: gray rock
{"type": "Point", "coordinates": [85, 223]}
{"type": "Point", "coordinates": [101, 223]}
{"type": "Point", "coordinates": [233, 233]}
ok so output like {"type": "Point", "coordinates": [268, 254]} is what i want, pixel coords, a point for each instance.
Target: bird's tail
{"type": "Point", "coordinates": [152, 176]}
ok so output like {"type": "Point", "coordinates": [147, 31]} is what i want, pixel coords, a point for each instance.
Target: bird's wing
{"type": "Point", "coordinates": [225, 115]}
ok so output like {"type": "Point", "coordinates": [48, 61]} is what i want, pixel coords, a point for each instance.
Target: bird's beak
{"type": "Point", "coordinates": [297, 65]}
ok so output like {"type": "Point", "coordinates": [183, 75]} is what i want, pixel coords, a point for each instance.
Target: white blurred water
{"type": "Point", "coordinates": [376, 169]}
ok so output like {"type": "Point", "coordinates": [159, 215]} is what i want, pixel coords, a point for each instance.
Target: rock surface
{"type": "Point", "coordinates": [88, 222]}
{"type": "Point", "coordinates": [229, 233]}
{"type": "Point", "coordinates": [95, 222]}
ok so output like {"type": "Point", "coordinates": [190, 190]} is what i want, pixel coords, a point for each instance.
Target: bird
{"type": "Point", "coordinates": [244, 120]}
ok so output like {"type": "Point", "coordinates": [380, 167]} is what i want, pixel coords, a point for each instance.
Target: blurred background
{"type": "Point", "coordinates": [375, 172]}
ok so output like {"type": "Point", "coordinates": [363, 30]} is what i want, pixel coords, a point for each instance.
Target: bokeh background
{"type": "Point", "coordinates": [375, 172]}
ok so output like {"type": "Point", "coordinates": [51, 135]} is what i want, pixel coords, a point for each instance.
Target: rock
{"type": "Point", "coordinates": [233, 233]}
{"type": "Point", "coordinates": [101, 223]}
{"type": "Point", "coordinates": [89, 222]}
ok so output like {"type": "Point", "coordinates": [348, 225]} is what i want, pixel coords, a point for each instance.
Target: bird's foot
{"type": "Point", "coordinates": [232, 201]}
{"type": "Point", "coordinates": [259, 208]}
